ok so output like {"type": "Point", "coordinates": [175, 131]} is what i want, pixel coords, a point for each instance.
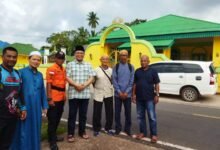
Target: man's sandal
{"type": "Point", "coordinates": [138, 136]}
{"type": "Point", "coordinates": [70, 138]}
{"type": "Point", "coordinates": [154, 139]}
{"type": "Point", "coordinates": [85, 136]}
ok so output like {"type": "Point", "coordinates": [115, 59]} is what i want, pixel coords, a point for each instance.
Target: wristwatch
{"type": "Point", "coordinates": [157, 94]}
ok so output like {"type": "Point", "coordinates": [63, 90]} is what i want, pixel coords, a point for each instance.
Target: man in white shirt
{"type": "Point", "coordinates": [103, 92]}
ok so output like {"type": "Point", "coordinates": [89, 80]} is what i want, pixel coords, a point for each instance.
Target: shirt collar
{"type": "Point", "coordinates": [145, 69]}
{"type": "Point", "coordinates": [57, 66]}
{"type": "Point", "coordinates": [7, 69]}
{"type": "Point", "coordinates": [32, 69]}
{"type": "Point", "coordinates": [77, 62]}
{"type": "Point", "coordinates": [123, 64]}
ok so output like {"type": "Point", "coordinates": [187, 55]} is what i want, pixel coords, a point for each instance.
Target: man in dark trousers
{"type": "Point", "coordinates": [103, 93]}
{"type": "Point", "coordinates": [123, 77]}
{"type": "Point", "coordinates": [56, 83]}
{"type": "Point", "coordinates": [146, 96]}
{"type": "Point", "coordinates": [80, 75]}
{"type": "Point", "coordinates": [11, 102]}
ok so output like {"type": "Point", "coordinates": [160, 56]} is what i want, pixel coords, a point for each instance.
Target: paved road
{"type": "Point", "coordinates": [195, 125]}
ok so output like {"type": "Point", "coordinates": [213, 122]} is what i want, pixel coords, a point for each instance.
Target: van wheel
{"type": "Point", "coordinates": [189, 94]}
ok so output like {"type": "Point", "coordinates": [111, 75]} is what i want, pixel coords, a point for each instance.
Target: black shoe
{"type": "Point", "coordinates": [128, 133]}
{"type": "Point", "coordinates": [60, 139]}
{"type": "Point", "coordinates": [95, 133]}
{"type": "Point", "coordinates": [117, 132]}
{"type": "Point", "coordinates": [110, 132]}
{"type": "Point", "coordinates": [54, 147]}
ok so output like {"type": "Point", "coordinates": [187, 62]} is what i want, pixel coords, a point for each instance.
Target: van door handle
{"type": "Point", "coordinates": [180, 76]}
{"type": "Point", "coordinates": [198, 78]}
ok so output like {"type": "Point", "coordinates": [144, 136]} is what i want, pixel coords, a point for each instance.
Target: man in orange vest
{"type": "Point", "coordinates": [56, 83]}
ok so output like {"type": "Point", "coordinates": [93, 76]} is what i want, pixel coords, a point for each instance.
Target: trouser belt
{"type": "Point", "coordinates": [57, 88]}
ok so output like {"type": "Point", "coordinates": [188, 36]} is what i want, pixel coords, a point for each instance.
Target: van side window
{"type": "Point", "coordinates": [192, 68]}
{"type": "Point", "coordinates": [173, 68]}
{"type": "Point", "coordinates": [158, 67]}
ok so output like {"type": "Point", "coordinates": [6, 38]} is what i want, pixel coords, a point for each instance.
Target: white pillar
{"type": "Point", "coordinates": [46, 54]}
{"type": "Point", "coordinates": [63, 49]}
{"type": "Point", "coordinates": [45, 59]}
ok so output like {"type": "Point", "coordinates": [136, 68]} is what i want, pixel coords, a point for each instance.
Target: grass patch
{"type": "Point", "coordinates": [60, 130]}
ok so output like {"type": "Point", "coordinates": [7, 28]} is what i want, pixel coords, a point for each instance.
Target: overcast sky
{"type": "Point", "coordinates": [32, 21]}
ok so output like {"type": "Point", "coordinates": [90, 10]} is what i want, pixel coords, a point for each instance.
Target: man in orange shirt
{"type": "Point", "coordinates": [56, 83]}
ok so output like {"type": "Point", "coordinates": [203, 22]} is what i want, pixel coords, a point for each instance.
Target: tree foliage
{"type": "Point", "coordinates": [102, 30]}
{"type": "Point", "coordinates": [68, 39]}
{"type": "Point", "coordinates": [62, 39]}
{"type": "Point", "coordinates": [82, 36]}
{"type": "Point", "coordinates": [93, 22]}
{"type": "Point", "coordinates": [135, 22]}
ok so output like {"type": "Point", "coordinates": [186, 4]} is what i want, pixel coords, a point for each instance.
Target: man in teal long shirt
{"type": "Point", "coordinates": [28, 131]}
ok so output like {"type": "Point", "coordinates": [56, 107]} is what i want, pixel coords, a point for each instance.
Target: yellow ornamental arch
{"type": "Point", "coordinates": [138, 47]}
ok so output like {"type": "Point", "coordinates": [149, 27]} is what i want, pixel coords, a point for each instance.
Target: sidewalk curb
{"type": "Point", "coordinates": [146, 141]}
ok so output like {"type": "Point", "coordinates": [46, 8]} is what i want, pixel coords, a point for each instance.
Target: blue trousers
{"type": "Point", "coordinates": [148, 106]}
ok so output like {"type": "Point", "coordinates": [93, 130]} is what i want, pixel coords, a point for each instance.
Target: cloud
{"type": "Point", "coordinates": [64, 25]}
{"type": "Point", "coordinates": [196, 6]}
{"type": "Point", "coordinates": [32, 21]}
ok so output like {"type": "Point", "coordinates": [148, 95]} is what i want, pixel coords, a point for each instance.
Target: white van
{"type": "Point", "coordinates": [186, 78]}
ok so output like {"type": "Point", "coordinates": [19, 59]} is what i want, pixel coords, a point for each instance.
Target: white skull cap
{"type": "Point", "coordinates": [35, 53]}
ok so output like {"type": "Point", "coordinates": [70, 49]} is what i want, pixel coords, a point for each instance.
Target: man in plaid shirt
{"type": "Point", "coordinates": [79, 76]}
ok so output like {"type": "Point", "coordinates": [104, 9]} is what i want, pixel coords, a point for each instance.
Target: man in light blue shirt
{"type": "Point", "coordinates": [123, 77]}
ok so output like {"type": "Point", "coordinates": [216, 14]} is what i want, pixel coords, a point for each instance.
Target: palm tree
{"type": "Point", "coordinates": [93, 21]}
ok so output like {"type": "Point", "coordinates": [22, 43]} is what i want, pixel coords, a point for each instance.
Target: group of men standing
{"type": "Point", "coordinates": [121, 85]}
